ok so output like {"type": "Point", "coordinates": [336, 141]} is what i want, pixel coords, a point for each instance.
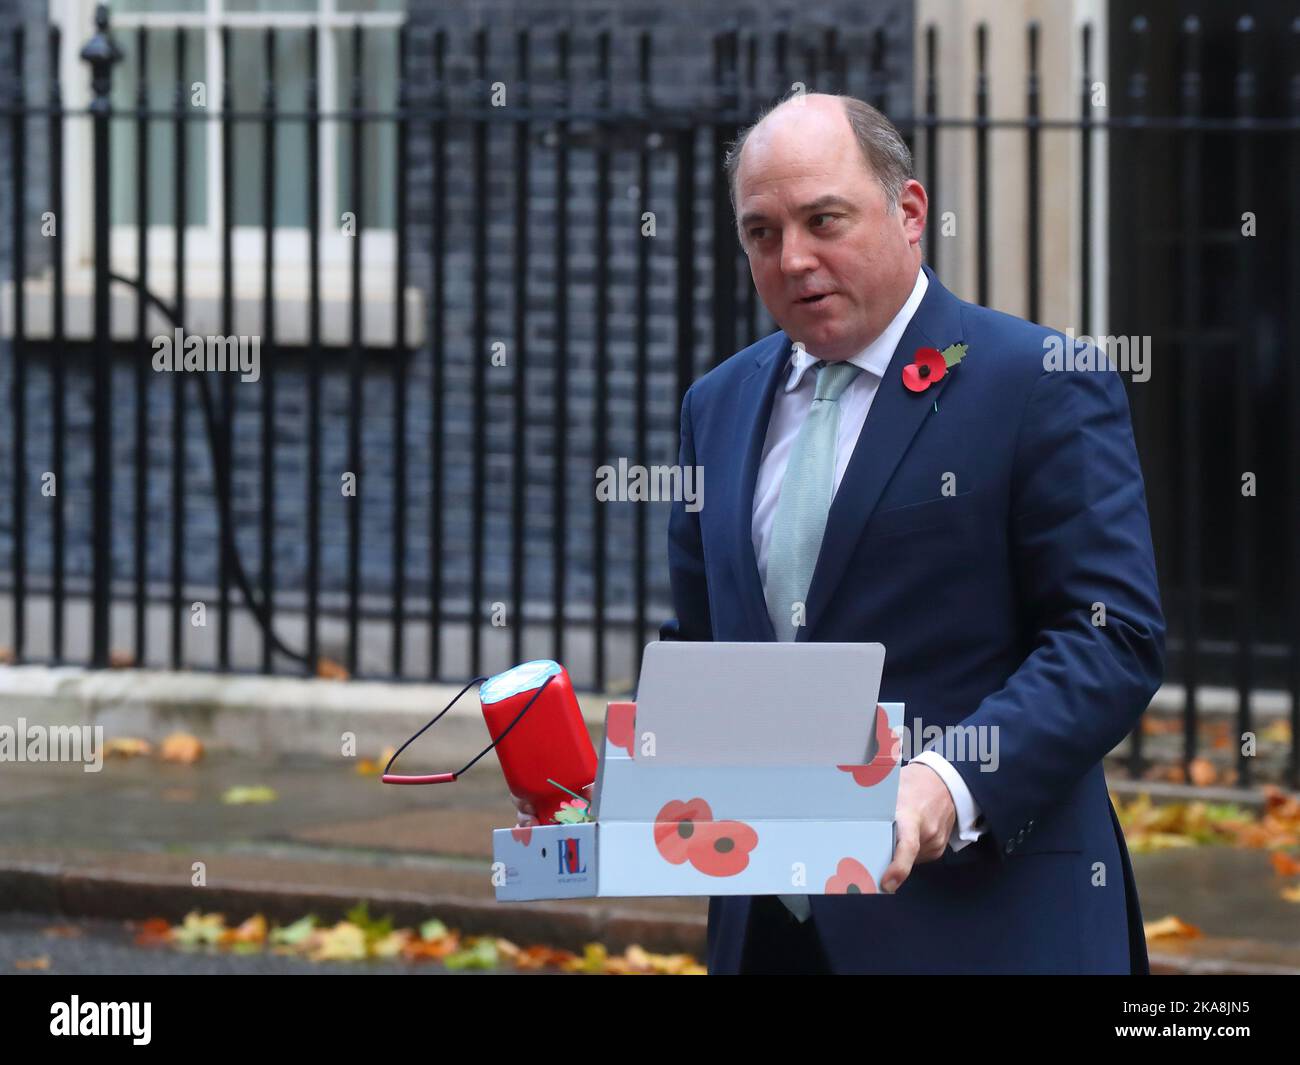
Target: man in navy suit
{"type": "Point", "coordinates": [984, 519]}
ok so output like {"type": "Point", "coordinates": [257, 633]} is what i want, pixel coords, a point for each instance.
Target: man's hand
{"type": "Point", "coordinates": [925, 819]}
{"type": "Point", "coordinates": [528, 816]}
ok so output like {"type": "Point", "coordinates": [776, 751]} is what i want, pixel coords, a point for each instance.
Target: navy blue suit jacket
{"type": "Point", "coordinates": [984, 599]}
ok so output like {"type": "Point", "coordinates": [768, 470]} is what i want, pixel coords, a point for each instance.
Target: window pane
{"type": "Point", "coordinates": [350, 6]}
{"type": "Point", "coordinates": [161, 82]}
{"type": "Point", "coordinates": [124, 7]}
{"type": "Point", "coordinates": [248, 85]}
{"type": "Point", "coordinates": [271, 5]}
{"type": "Point", "coordinates": [378, 137]}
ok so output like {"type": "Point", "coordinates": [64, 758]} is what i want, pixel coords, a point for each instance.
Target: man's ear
{"type": "Point", "coordinates": [914, 205]}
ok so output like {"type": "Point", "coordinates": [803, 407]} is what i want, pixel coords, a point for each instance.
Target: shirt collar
{"type": "Point", "coordinates": [875, 357]}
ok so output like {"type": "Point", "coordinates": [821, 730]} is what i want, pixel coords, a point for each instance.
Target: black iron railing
{"type": "Point", "coordinates": [1154, 158]}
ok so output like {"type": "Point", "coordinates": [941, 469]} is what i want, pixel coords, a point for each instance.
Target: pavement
{"type": "Point", "coordinates": [124, 842]}
{"type": "Point", "coordinates": [30, 943]}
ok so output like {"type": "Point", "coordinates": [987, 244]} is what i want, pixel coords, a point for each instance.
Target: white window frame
{"type": "Point", "coordinates": [203, 260]}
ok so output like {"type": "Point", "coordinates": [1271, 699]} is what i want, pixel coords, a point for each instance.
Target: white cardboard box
{"type": "Point", "coordinates": [742, 769]}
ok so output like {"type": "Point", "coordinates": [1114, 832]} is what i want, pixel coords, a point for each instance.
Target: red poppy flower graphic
{"type": "Point", "coordinates": [851, 878]}
{"type": "Point", "coordinates": [524, 834]}
{"type": "Point", "coordinates": [927, 368]}
{"type": "Point", "coordinates": [620, 726]}
{"type": "Point", "coordinates": [888, 749]}
{"type": "Point", "coordinates": [676, 827]}
{"type": "Point", "coordinates": [721, 848]}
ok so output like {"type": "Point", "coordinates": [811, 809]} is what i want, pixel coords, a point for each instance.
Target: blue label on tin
{"type": "Point", "coordinates": [528, 676]}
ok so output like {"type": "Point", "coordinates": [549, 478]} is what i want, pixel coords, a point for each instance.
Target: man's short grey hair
{"type": "Point", "coordinates": [883, 148]}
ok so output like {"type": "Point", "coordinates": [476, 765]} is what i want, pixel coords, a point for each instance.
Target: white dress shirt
{"type": "Point", "coordinates": [789, 408]}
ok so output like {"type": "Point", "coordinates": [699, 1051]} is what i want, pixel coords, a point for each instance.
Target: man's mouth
{"type": "Point", "coordinates": [815, 299]}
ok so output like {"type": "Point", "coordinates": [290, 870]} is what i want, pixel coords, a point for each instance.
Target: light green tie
{"type": "Point", "coordinates": [805, 499]}
{"type": "Point", "coordinates": [800, 519]}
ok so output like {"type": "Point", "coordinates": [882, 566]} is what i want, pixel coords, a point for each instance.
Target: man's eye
{"type": "Point", "coordinates": [757, 232]}
{"type": "Point", "coordinates": [817, 216]}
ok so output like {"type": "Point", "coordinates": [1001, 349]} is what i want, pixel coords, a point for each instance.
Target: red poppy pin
{"type": "Point", "coordinates": [930, 364]}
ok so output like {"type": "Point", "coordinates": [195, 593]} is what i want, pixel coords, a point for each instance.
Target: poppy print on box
{"type": "Point", "coordinates": [620, 726]}
{"type": "Point", "coordinates": [888, 750]}
{"type": "Point", "coordinates": [721, 848]}
{"type": "Point", "coordinates": [851, 878]}
{"type": "Point", "coordinates": [686, 832]}
{"type": "Point", "coordinates": [676, 826]}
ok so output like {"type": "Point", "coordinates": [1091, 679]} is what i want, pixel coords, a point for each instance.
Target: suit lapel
{"type": "Point", "coordinates": [895, 416]}
{"type": "Point", "coordinates": [754, 402]}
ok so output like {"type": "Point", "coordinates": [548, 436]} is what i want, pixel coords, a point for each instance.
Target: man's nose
{"type": "Point", "coordinates": [797, 256]}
